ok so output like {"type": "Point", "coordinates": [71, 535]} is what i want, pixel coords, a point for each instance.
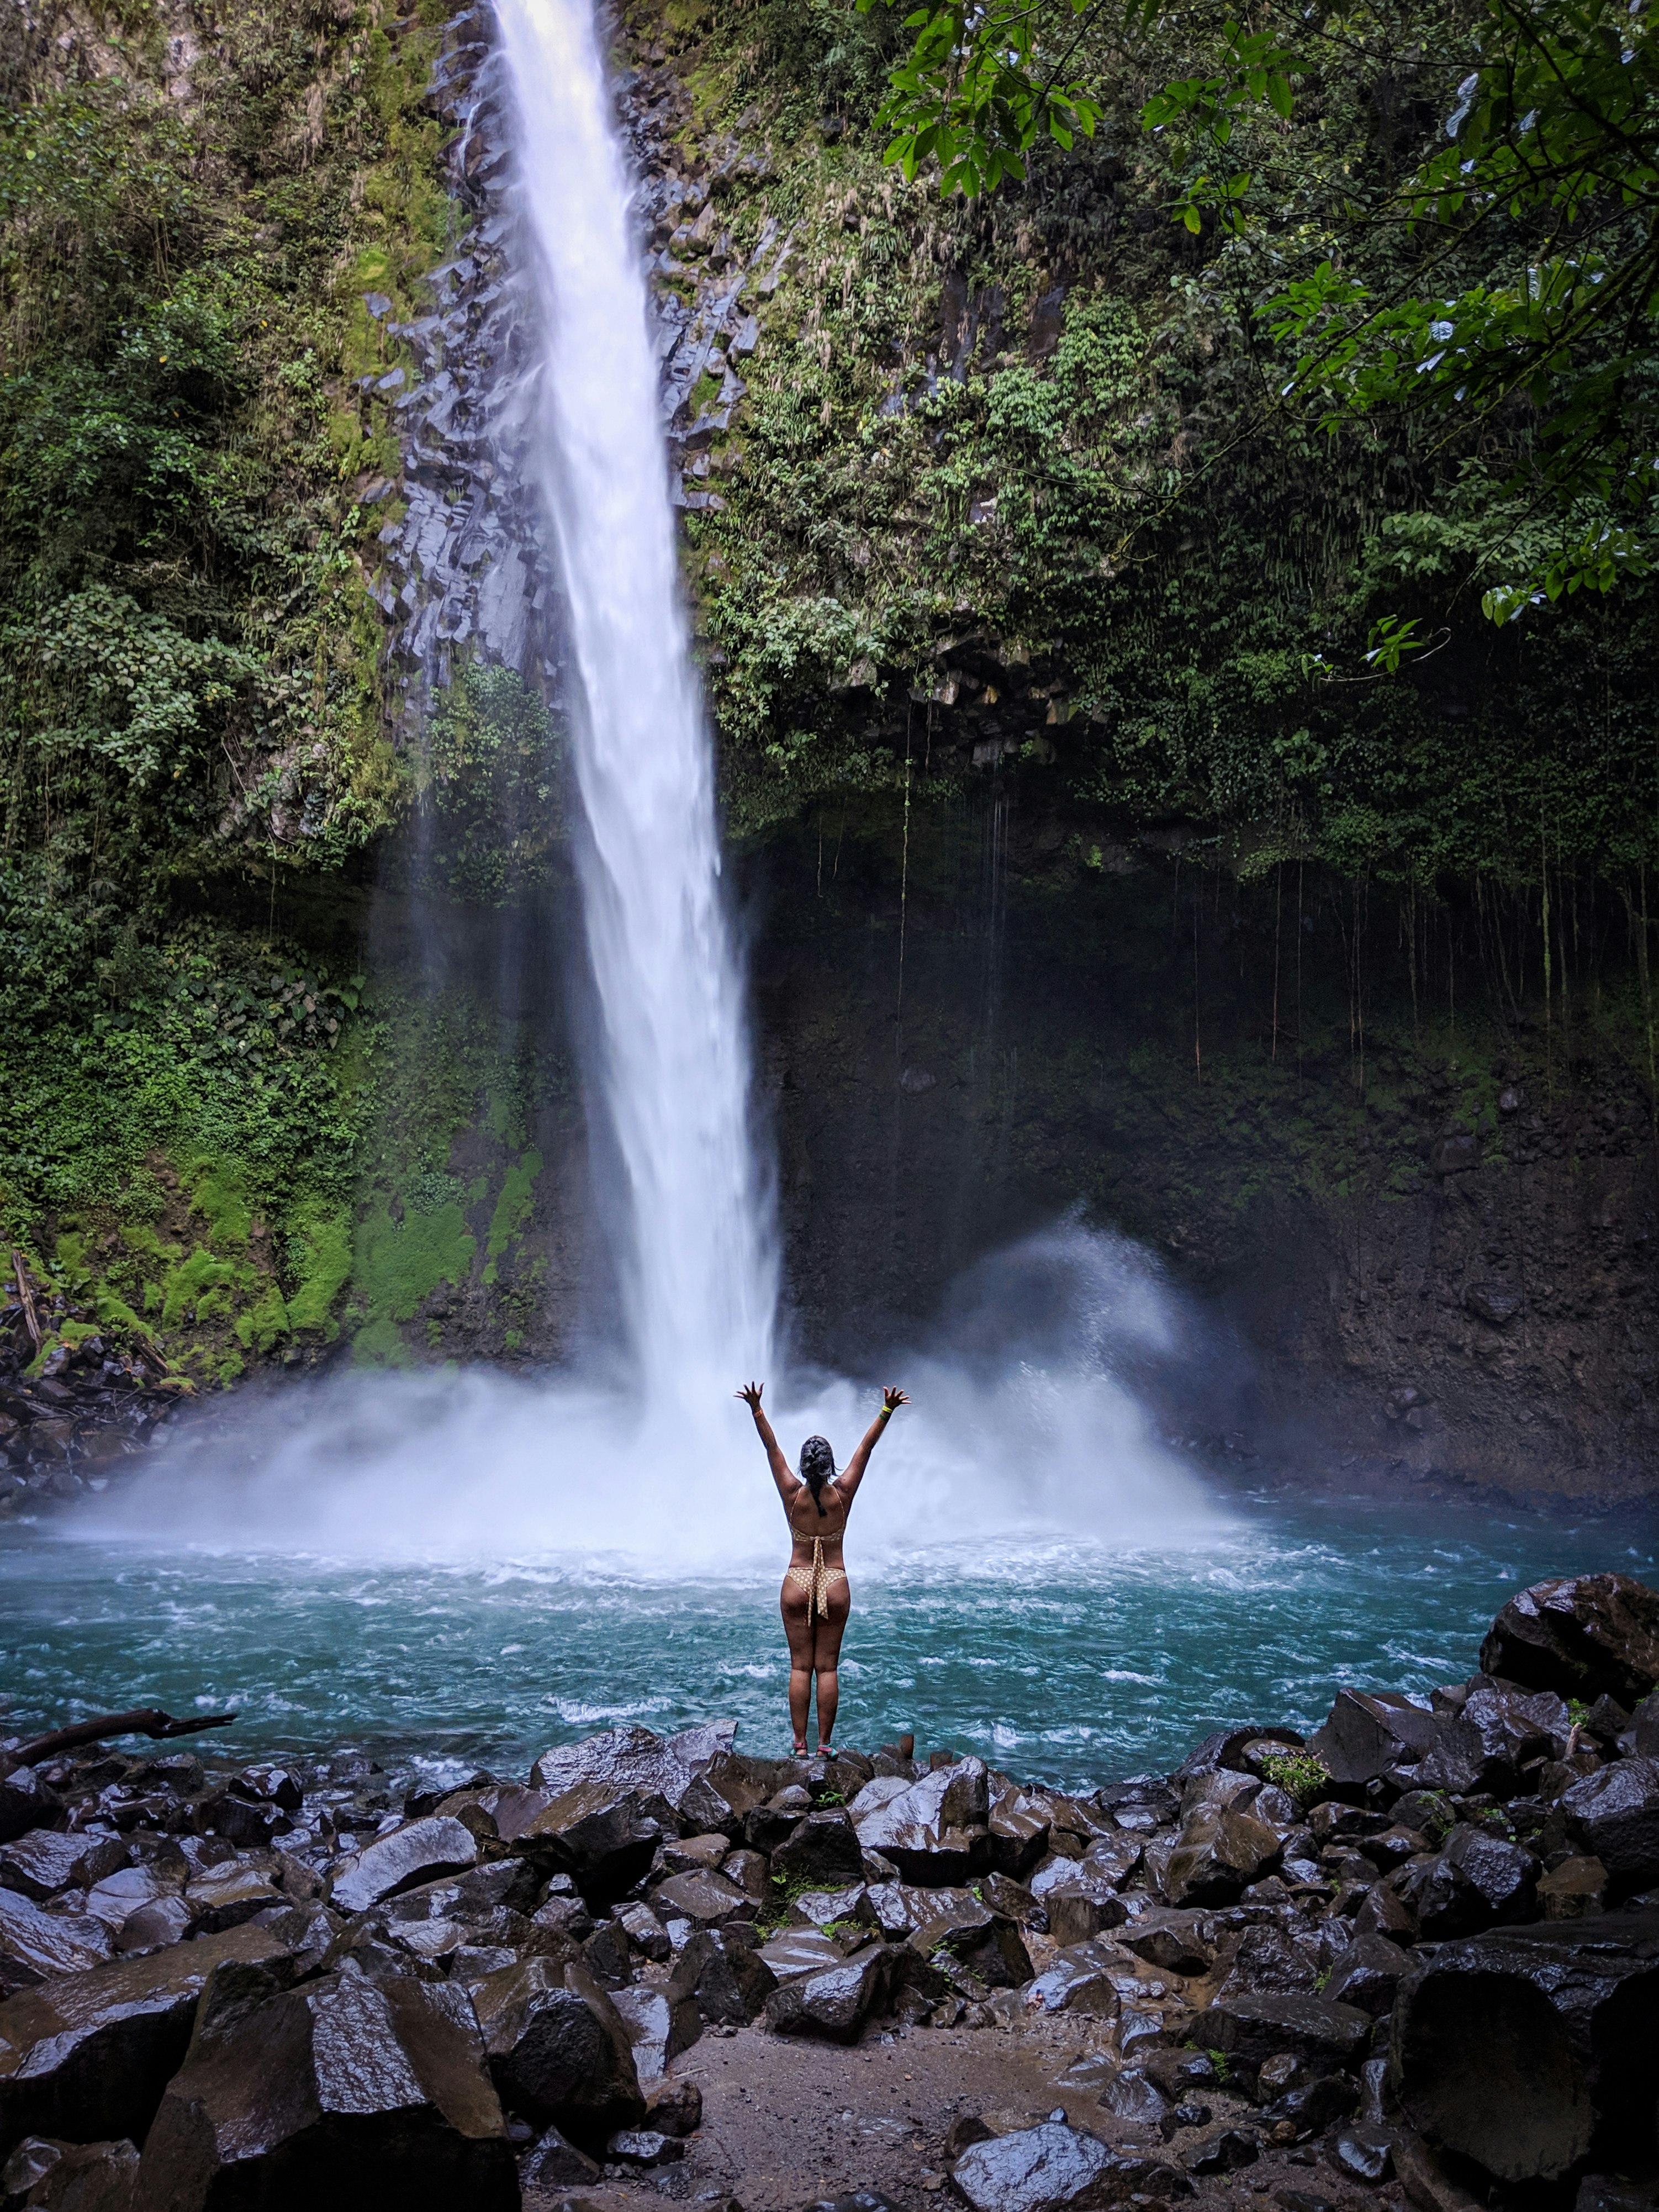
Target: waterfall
{"type": "Point", "coordinates": [695, 1247]}
{"type": "Point", "coordinates": [1026, 1427]}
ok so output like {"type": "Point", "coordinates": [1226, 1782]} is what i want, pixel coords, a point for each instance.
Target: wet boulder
{"type": "Point", "coordinates": [834, 2002]}
{"type": "Point", "coordinates": [27, 1803]}
{"type": "Point", "coordinates": [1527, 2050]}
{"type": "Point", "coordinates": [553, 2165]}
{"type": "Point", "coordinates": [342, 2089]}
{"type": "Point", "coordinates": [661, 2024]}
{"type": "Point", "coordinates": [1016, 1836]}
{"type": "Point", "coordinates": [934, 1831]}
{"type": "Point", "coordinates": [1496, 1732]}
{"type": "Point", "coordinates": [560, 2053]}
{"type": "Point", "coordinates": [1053, 2168]}
{"type": "Point", "coordinates": [43, 2176]}
{"type": "Point", "coordinates": [1326, 2036]}
{"type": "Point", "coordinates": [675, 2108]}
{"type": "Point", "coordinates": [822, 1851]}
{"type": "Point", "coordinates": [1129, 2094]}
{"type": "Point", "coordinates": [846, 1916]}
{"type": "Point", "coordinates": [603, 1836]}
{"type": "Point", "coordinates": [1368, 1973]}
{"type": "Point", "coordinates": [40, 1864]}
{"type": "Point", "coordinates": [1082, 1901]}
{"type": "Point", "coordinates": [89, 2055]}
{"type": "Point", "coordinates": [419, 1853]}
{"type": "Point", "coordinates": [1614, 1815]}
{"type": "Point", "coordinates": [1220, 1849]}
{"type": "Point", "coordinates": [770, 1824]}
{"type": "Point", "coordinates": [1478, 1880]}
{"type": "Point", "coordinates": [227, 1896]}
{"type": "Point", "coordinates": [692, 1777]}
{"type": "Point", "coordinates": [1266, 1958]}
{"type": "Point", "coordinates": [1575, 1888]}
{"type": "Point", "coordinates": [1368, 1732]}
{"type": "Point", "coordinates": [986, 1943]}
{"type": "Point", "coordinates": [726, 1976]}
{"type": "Point", "coordinates": [1080, 1980]}
{"type": "Point", "coordinates": [1172, 1940]}
{"type": "Point", "coordinates": [794, 1951]}
{"type": "Point", "coordinates": [705, 1899]}
{"type": "Point", "coordinates": [34, 1945]}
{"type": "Point", "coordinates": [1583, 1636]}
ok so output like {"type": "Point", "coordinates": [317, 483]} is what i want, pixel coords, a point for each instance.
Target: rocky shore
{"type": "Point", "coordinates": [1415, 1957]}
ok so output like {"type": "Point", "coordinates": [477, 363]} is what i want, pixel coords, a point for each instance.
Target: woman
{"type": "Point", "coordinates": [816, 1596]}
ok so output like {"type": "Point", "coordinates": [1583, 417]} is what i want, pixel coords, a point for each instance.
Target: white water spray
{"type": "Point", "coordinates": [696, 1252]}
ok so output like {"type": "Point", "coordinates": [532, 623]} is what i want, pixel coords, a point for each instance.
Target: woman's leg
{"type": "Point", "coordinates": [826, 1655]}
{"type": "Point", "coordinates": [799, 1630]}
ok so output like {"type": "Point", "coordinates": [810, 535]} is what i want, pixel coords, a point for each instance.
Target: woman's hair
{"type": "Point", "coordinates": [817, 1465]}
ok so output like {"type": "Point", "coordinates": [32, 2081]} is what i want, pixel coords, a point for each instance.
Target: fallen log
{"type": "Point", "coordinates": [143, 1720]}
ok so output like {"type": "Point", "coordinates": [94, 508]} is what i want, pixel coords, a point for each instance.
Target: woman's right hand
{"type": "Point", "coordinates": [750, 1395]}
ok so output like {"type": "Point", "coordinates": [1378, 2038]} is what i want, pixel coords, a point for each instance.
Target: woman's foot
{"type": "Point", "coordinates": [800, 1748]}
{"type": "Point", "coordinates": [824, 1751]}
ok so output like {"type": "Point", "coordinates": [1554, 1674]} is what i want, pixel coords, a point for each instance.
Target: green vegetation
{"type": "Point", "coordinates": [1014, 475]}
{"type": "Point", "coordinates": [1518, 262]}
{"type": "Point", "coordinates": [1302, 1775]}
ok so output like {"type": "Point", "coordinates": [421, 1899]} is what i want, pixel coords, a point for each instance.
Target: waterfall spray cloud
{"type": "Point", "coordinates": [1024, 1431]}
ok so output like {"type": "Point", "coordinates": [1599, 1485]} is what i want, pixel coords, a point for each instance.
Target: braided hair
{"type": "Point", "coordinates": [817, 1467]}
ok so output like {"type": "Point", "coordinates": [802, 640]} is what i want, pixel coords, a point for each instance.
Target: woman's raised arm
{"type": "Point", "coordinates": [787, 1481]}
{"type": "Point", "coordinates": [852, 1473]}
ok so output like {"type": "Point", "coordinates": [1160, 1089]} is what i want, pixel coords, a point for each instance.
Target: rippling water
{"type": "Point", "coordinates": [1056, 1660]}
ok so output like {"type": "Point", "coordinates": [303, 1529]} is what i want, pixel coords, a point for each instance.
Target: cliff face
{"type": "Point", "coordinates": [1074, 879]}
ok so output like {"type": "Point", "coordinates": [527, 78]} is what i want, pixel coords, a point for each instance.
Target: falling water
{"type": "Point", "coordinates": [695, 1250]}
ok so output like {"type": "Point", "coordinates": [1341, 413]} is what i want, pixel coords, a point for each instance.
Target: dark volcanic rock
{"type": "Point", "coordinates": [1051, 2168]}
{"type": "Point", "coordinates": [1477, 1880]}
{"type": "Point", "coordinates": [725, 1976]}
{"type": "Point", "coordinates": [40, 1864]}
{"type": "Point", "coordinates": [43, 2176]}
{"type": "Point", "coordinates": [343, 2090]}
{"type": "Point", "coordinates": [90, 2055]}
{"type": "Point", "coordinates": [1227, 2153]}
{"type": "Point", "coordinates": [419, 1853]}
{"type": "Point", "coordinates": [834, 2002]}
{"type": "Point", "coordinates": [1615, 1815]}
{"type": "Point", "coordinates": [554, 2164]}
{"type": "Point", "coordinates": [934, 1831]}
{"type": "Point", "coordinates": [559, 2052]}
{"type": "Point", "coordinates": [987, 1943]}
{"type": "Point", "coordinates": [1220, 1850]}
{"type": "Point", "coordinates": [26, 1802]}
{"type": "Point", "coordinates": [34, 1945]}
{"type": "Point", "coordinates": [1584, 1636]}
{"type": "Point", "coordinates": [822, 1851]}
{"type": "Point", "coordinates": [1368, 1732]}
{"type": "Point", "coordinates": [1130, 2095]}
{"type": "Point", "coordinates": [1528, 2048]}
{"type": "Point", "coordinates": [1251, 2028]}
{"type": "Point", "coordinates": [1368, 1973]}
{"type": "Point", "coordinates": [1082, 1902]}
{"type": "Point", "coordinates": [602, 1836]}
{"type": "Point", "coordinates": [692, 1782]}
{"type": "Point", "coordinates": [661, 2024]}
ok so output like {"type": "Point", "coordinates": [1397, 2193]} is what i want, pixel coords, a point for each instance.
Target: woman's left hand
{"type": "Point", "coordinates": [892, 1398]}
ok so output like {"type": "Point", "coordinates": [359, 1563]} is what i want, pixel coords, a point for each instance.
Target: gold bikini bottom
{"type": "Point", "coordinates": [815, 1580]}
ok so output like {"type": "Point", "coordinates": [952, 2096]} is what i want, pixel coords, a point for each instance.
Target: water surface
{"type": "Point", "coordinates": [1055, 1659]}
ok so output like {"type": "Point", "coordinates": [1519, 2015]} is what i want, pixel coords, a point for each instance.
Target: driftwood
{"type": "Point", "coordinates": [144, 1720]}
{"type": "Point", "coordinates": [26, 1298]}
